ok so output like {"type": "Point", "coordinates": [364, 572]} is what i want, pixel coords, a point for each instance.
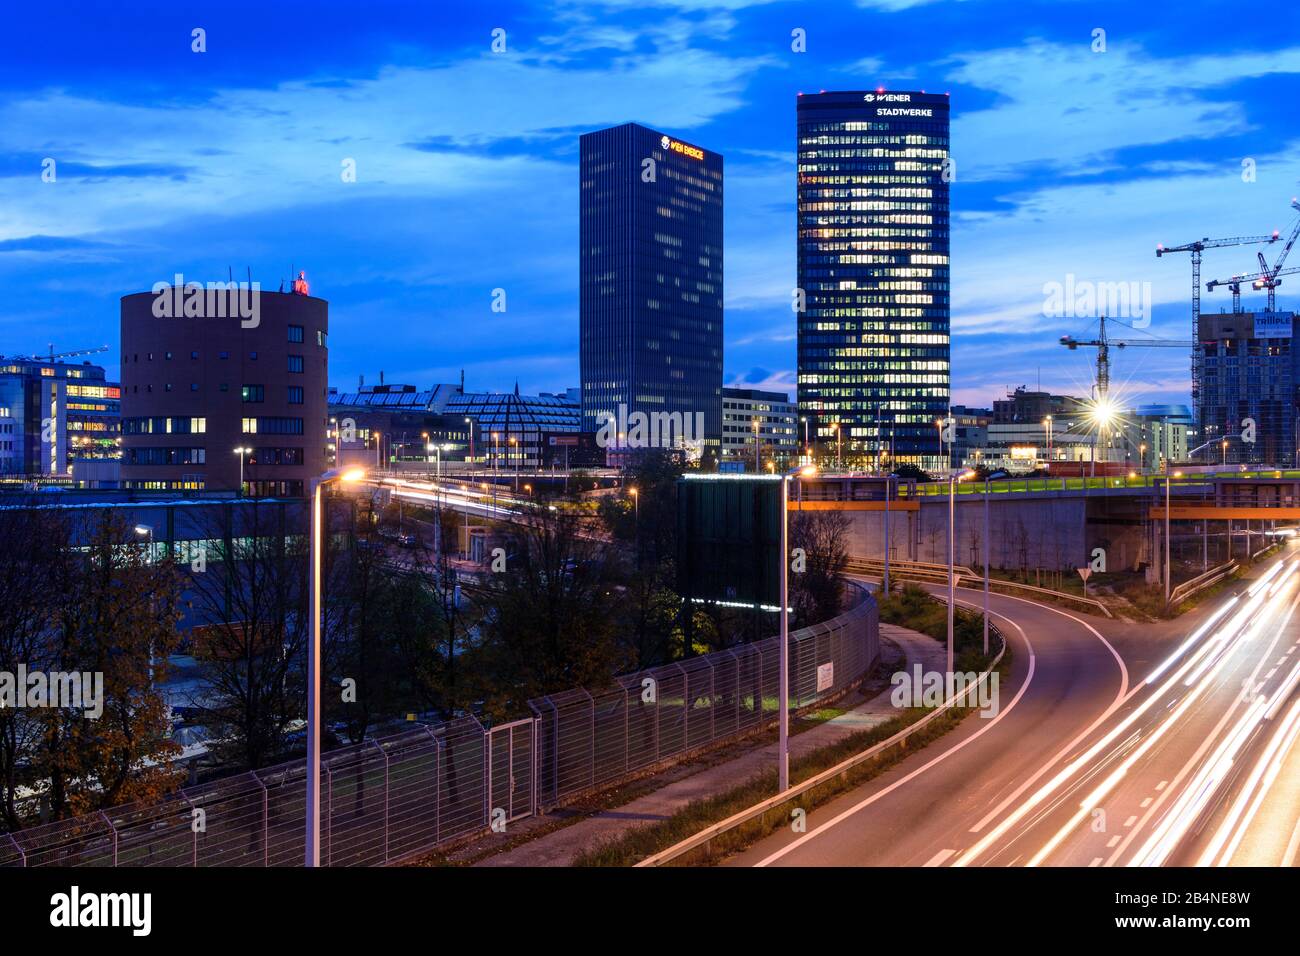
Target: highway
{"type": "Point", "coordinates": [1191, 760]}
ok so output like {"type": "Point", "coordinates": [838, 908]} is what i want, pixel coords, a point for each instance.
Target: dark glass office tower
{"type": "Point", "coordinates": [650, 313]}
{"type": "Point", "coordinates": [873, 264]}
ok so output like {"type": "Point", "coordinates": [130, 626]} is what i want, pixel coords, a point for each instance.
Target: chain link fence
{"type": "Point", "coordinates": [395, 796]}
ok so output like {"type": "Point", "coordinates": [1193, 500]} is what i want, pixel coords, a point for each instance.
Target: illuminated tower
{"type": "Point", "coordinates": [873, 334]}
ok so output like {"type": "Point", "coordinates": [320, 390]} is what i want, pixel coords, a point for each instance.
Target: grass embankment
{"type": "Point", "coordinates": [641, 842]}
{"type": "Point", "coordinates": [911, 607]}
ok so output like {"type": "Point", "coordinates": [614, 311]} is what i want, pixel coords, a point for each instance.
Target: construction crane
{"type": "Point", "coordinates": [1103, 345]}
{"type": "Point", "coordinates": [62, 355]}
{"type": "Point", "coordinates": [1196, 248]}
{"type": "Point", "coordinates": [1267, 277]}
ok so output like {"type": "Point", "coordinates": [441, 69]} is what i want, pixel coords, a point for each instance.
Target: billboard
{"type": "Point", "coordinates": [1273, 325]}
{"type": "Point", "coordinates": [729, 539]}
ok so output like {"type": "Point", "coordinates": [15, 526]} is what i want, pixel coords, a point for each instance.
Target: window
{"type": "Point", "coordinates": [225, 386]}
{"type": "Point", "coordinates": [295, 333]}
{"type": "Point", "coordinates": [295, 394]}
{"type": "Point", "coordinates": [252, 356]}
{"type": "Point", "coordinates": [194, 356]}
{"type": "Point", "coordinates": [254, 393]}
{"type": "Point", "coordinates": [194, 386]}
{"type": "Point", "coordinates": [321, 339]}
{"type": "Point", "coordinates": [169, 356]}
{"type": "Point", "coordinates": [224, 355]}
{"type": "Point", "coordinates": [295, 363]}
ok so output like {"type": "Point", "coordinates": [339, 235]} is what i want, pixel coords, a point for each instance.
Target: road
{"type": "Point", "coordinates": [1192, 761]}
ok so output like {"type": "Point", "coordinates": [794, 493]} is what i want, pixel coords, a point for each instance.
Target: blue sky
{"type": "Point", "coordinates": [1069, 162]}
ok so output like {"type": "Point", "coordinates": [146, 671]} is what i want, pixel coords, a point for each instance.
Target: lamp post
{"type": "Point", "coordinates": [807, 446]}
{"type": "Point", "coordinates": [888, 481]}
{"type": "Point", "coordinates": [316, 547]}
{"type": "Point", "coordinates": [986, 567]}
{"type": "Point", "coordinates": [496, 453]}
{"type": "Point", "coordinates": [470, 422]}
{"type": "Point", "coordinates": [241, 451]}
{"type": "Point", "coordinates": [839, 448]}
{"type": "Point", "coordinates": [514, 442]}
{"type": "Point", "coordinates": [952, 554]}
{"type": "Point", "coordinates": [783, 704]}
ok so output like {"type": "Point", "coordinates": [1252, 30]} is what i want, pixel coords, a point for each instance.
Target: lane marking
{"type": "Point", "coordinates": [1121, 697]}
{"type": "Point", "coordinates": [866, 802]}
{"type": "Point", "coordinates": [1145, 803]}
{"type": "Point", "coordinates": [1131, 820]}
{"type": "Point", "coordinates": [1162, 784]}
{"type": "Point", "coordinates": [1096, 862]}
{"type": "Point", "coordinates": [939, 857]}
{"type": "Point", "coordinates": [1112, 841]}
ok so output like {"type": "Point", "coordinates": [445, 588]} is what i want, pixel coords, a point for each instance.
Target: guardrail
{"type": "Point", "coordinates": [1201, 582]}
{"type": "Point", "coordinates": [965, 578]}
{"type": "Point", "coordinates": [711, 833]}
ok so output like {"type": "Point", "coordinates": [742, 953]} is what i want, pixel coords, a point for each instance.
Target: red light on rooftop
{"type": "Point", "coordinates": [300, 286]}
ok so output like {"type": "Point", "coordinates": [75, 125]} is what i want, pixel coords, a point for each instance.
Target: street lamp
{"type": "Point", "coordinates": [241, 451]}
{"type": "Point", "coordinates": [839, 447]}
{"type": "Point", "coordinates": [1102, 413]}
{"type": "Point", "coordinates": [952, 546]}
{"type": "Point", "coordinates": [783, 705]}
{"type": "Point", "coordinates": [636, 505]}
{"type": "Point", "coordinates": [1047, 428]}
{"type": "Point", "coordinates": [316, 547]}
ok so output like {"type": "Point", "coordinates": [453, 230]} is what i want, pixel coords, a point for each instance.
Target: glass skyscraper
{"type": "Point", "coordinates": [650, 313]}
{"type": "Point", "coordinates": [873, 267]}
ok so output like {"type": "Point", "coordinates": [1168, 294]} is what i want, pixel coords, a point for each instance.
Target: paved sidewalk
{"type": "Point", "coordinates": [563, 846]}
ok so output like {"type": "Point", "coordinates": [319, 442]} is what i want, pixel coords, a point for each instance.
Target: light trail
{"type": "Point", "coordinates": [1213, 653]}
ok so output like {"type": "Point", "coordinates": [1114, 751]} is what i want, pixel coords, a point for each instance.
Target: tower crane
{"type": "Point", "coordinates": [1196, 248]}
{"type": "Point", "coordinates": [62, 355]}
{"type": "Point", "coordinates": [1103, 345]}
{"type": "Point", "coordinates": [1267, 277]}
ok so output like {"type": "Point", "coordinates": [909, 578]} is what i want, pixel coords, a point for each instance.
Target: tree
{"type": "Point", "coordinates": [822, 536]}
{"type": "Point", "coordinates": [550, 614]}
{"type": "Point", "coordinates": [253, 599]}
{"type": "Point", "coordinates": [87, 601]}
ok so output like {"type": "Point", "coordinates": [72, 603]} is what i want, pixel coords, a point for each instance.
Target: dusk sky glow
{"type": "Point", "coordinates": [1069, 162]}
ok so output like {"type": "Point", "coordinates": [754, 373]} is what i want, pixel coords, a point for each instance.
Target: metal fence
{"type": "Point", "coordinates": [587, 739]}
{"type": "Point", "coordinates": [396, 796]}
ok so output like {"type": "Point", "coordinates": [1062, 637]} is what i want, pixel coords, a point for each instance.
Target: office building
{"type": "Point", "coordinates": [484, 430]}
{"type": "Point", "coordinates": [873, 230]}
{"type": "Point", "coordinates": [650, 288]}
{"type": "Point", "coordinates": [58, 420]}
{"type": "Point", "coordinates": [201, 378]}
{"type": "Point", "coordinates": [766, 421]}
{"type": "Point", "coordinates": [1248, 388]}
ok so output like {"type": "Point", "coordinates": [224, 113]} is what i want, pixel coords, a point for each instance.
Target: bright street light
{"type": "Point", "coordinates": [241, 451]}
{"type": "Point", "coordinates": [316, 547]}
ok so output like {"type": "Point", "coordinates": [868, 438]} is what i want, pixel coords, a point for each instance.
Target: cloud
{"type": "Point", "coordinates": [1061, 106]}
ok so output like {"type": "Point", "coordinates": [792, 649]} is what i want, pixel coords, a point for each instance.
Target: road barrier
{"type": "Point", "coordinates": [398, 796]}
{"type": "Point", "coordinates": [1201, 582]}
{"type": "Point", "coordinates": [925, 571]}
